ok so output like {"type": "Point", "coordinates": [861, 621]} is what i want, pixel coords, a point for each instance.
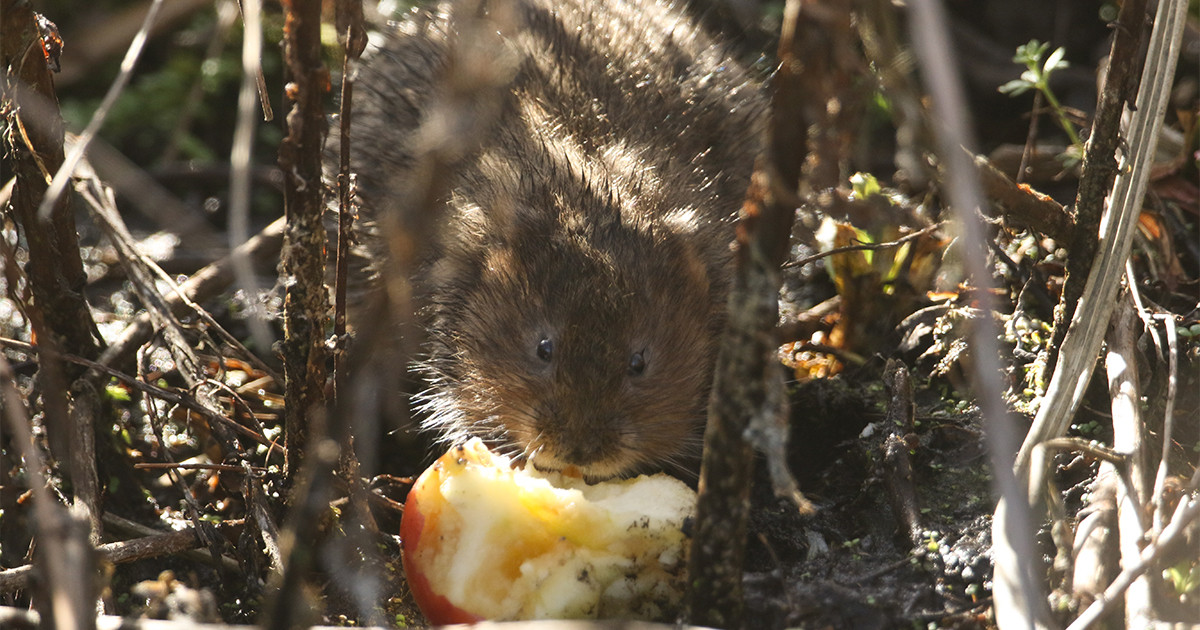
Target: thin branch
{"type": "Point", "coordinates": [1186, 512]}
{"type": "Point", "coordinates": [240, 177]}
{"type": "Point", "coordinates": [1168, 431]}
{"type": "Point", "coordinates": [164, 394]}
{"type": "Point", "coordinates": [59, 184]}
{"type": "Point", "coordinates": [865, 246]}
{"type": "Point", "coordinates": [310, 454]}
{"type": "Point", "coordinates": [153, 546]}
{"type": "Point", "coordinates": [1013, 523]}
{"type": "Point", "coordinates": [1031, 136]}
{"type": "Point", "coordinates": [305, 303]}
{"type": "Point", "coordinates": [1129, 439]}
{"type": "Point", "coordinates": [63, 554]}
{"type": "Point", "coordinates": [353, 38]}
{"type": "Point", "coordinates": [1100, 164]}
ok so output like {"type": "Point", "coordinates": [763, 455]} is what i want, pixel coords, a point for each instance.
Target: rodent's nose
{"type": "Point", "coordinates": [584, 444]}
{"type": "Point", "coordinates": [582, 450]}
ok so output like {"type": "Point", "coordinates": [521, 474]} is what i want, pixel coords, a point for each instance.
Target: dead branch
{"type": "Point", "coordinates": [353, 38]}
{"type": "Point", "coordinates": [305, 305]}
{"type": "Point", "coordinates": [352, 35]}
{"type": "Point", "coordinates": [126, 527]}
{"type": "Point", "coordinates": [1168, 430]}
{"type": "Point", "coordinates": [63, 557]}
{"type": "Point", "coordinates": [897, 463]}
{"type": "Point", "coordinates": [747, 389]}
{"type": "Point", "coordinates": [1023, 204]}
{"type": "Point", "coordinates": [305, 309]}
{"type": "Point", "coordinates": [160, 544]}
{"type": "Point", "coordinates": [202, 285]}
{"type": "Point", "coordinates": [1129, 439]}
{"type": "Point", "coordinates": [1100, 163]}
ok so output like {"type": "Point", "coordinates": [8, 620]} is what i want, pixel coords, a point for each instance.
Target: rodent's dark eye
{"type": "Point", "coordinates": [637, 363]}
{"type": "Point", "coordinates": [545, 349]}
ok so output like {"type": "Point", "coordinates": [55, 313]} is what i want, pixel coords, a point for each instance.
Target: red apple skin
{"type": "Point", "coordinates": [437, 609]}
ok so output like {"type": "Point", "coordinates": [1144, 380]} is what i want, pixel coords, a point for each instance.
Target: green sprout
{"type": "Point", "coordinates": [1037, 77]}
{"type": "Point", "coordinates": [1183, 577]}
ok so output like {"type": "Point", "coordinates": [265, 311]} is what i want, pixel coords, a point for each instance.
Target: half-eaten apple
{"type": "Point", "coordinates": [482, 540]}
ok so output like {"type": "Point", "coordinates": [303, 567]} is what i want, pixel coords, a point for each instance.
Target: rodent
{"type": "Point", "coordinates": [577, 289]}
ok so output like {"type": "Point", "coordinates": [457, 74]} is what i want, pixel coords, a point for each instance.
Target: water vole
{"type": "Point", "coordinates": [578, 284]}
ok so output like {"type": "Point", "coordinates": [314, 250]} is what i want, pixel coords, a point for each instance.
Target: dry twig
{"type": "Point", "coordinates": [1082, 343]}
{"type": "Point", "coordinates": [1128, 439]}
{"type": "Point", "coordinates": [1012, 526]}
{"type": "Point", "coordinates": [63, 557]}
{"type": "Point", "coordinates": [1073, 371]}
{"type": "Point", "coordinates": [747, 389]}
{"type": "Point", "coordinates": [1100, 164]}
{"type": "Point", "coordinates": [151, 546]}
{"type": "Point", "coordinates": [897, 463]}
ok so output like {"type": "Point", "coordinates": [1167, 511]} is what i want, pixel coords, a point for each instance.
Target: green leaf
{"type": "Point", "coordinates": [865, 185]}
{"type": "Point", "coordinates": [1030, 53]}
{"type": "Point", "coordinates": [1183, 577]}
{"type": "Point", "coordinates": [1016, 87]}
{"type": "Point", "coordinates": [1055, 60]}
{"type": "Point", "coordinates": [116, 393]}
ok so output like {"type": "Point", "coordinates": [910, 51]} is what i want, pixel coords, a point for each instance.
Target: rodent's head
{"type": "Point", "coordinates": [577, 343]}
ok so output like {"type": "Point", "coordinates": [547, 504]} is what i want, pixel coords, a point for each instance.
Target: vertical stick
{"type": "Point", "coordinates": [744, 376]}
{"type": "Point", "coordinates": [1021, 601]}
{"type": "Point", "coordinates": [305, 306]}
{"type": "Point", "coordinates": [1099, 163]}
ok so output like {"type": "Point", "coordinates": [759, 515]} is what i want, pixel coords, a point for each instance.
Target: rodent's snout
{"type": "Point", "coordinates": [591, 444]}
{"type": "Point", "coordinates": [581, 452]}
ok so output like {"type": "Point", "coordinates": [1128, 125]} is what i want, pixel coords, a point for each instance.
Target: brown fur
{"type": "Point", "coordinates": [596, 215]}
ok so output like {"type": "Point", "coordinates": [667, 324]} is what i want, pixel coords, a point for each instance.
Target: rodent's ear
{"type": "Point", "coordinates": [501, 188]}
{"type": "Point", "coordinates": [500, 263]}
{"type": "Point", "coordinates": [459, 267]}
{"type": "Point", "coordinates": [694, 268]}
